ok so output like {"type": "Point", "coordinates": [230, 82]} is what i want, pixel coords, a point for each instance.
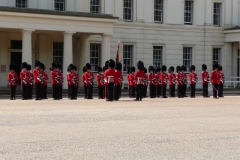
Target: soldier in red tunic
{"type": "Point", "coordinates": [12, 80]}
{"type": "Point", "coordinates": [139, 76]}
{"type": "Point", "coordinates": [132, 83]}
{"type": "Point", "coordinates": [76, 82]}
{"type": "Point", "coordinates": [164, 81]}
{"type": "Point", "coordinates": [145, 83]}
{"type": "Point", "coordinates": [192, 80]}
{"type": "Point", "coordinates": [84, 82]}
{"type": "Point", "coordinates": [179, 80]}
{"type": "Point", "coordinates": [55, 81]}
{"type": "Point", "coordinates": [38, 79]}
{"type": "Point", "coordinates": [100, 83]}
{"type": "Point", "coordinates": [214, 78]}
{"type": "Point", "coordinates": [184, 80]}
{"type": "Point", "coordinates": [171, 81]}
{"type": "Point", "coordinates": [109, 76]}
{"type": "Point", "coordinates": [45, 82]}
{"type": "Point", "coordinates": [68, 80]}
{"type": "Point", "coordinates": [24, 76]}
{"type": "Point", "coordinates": [152, 82]}
{"type": "Point", "coordinates": [72, 82]}
{"type": "Point", "coordinates": [89, 80]}
{"type": "Point", "coordinates": [205, 81]}
{"type": "Point", "coordinates": [128, 79]}
{"type": "Point", "coordinates": [220, 82]}
{"type": "Point", "coordinates": [158, 82]}
{"type": "Point", "coordinates": [61, 79]}
{"type": "Point", "coordinates": [118, 81]}
{"type": "Point", "coordinates": [30, 83]}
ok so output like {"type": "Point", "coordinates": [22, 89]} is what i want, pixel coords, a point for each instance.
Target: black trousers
{"type": "Point", "coordinates": [110, 87]}
{"type": "Point", "coordinates": [69, 94]}
{"type": "Point", "coordinates": [220, 90]}
{"type": "Point", "coordinates": [76, 92]}
{"type": "Point", "coordinates": [56, 92]}
{"type": "Point", "coordinates": [158, 90]}
{"type": "Point", "coordinates": [38, 90]}
{"type": "Point", "coordinates": [60, 91]}
{"type": "Point", "coordinates": [85, 91]}
{"type": "Point", "coordinates": [44, 92]}
{"type": "Point", "coordinates": [72, 89]}
{"type": "Point", "coordinates": [139, 89]}
{"type": "Point", "coordinates": [193, 88]}
{"type": "Point", "coordinates": [89, 91]}
{"type": "Point", "coordinates": [215, 90]}
{"type": "Point", "coordinates": [184, 90]}
{"type": "Point", "coordinates": [24, 91]}
{"type": "Point", "coordinates": [152, 91]}
{"type": "Point", "coordinates": [164, 89]}
{"type": "Point", "coordinates": [117, 89]}
{"type": "Point", "coordinates": [180, 91]}
{"type": "Point", "coordinates": [13, 92]}
{"type": "Point", "coordinates": [100, 92]}
{"type": "Point", "coordinates": [205, 90]}
{"type": "Point", "coordinates": [129, 91]}
{"type": "Point", "coordinates": [144, 91]}
{"type": "Point", "coordinates": [30, 88]}
{"type": "Point", "coordinates": [171, 90]}
{"type": "Point", "coordinates": [132, 91]}
{"type": "Point", "coordinates": [120, 91]}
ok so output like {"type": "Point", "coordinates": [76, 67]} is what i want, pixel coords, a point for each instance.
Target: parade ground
{"type": "Point", "coordinates": [95, 129]}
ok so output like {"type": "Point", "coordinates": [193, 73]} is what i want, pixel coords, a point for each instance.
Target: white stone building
{"type": "Point", "coordinates": [170, 32]}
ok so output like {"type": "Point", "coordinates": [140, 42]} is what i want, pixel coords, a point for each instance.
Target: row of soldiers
{"type": "Point", "coordinates": [158, 79]}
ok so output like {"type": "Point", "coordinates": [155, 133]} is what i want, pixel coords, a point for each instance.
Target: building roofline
{"type": "Point", "coordinates": [58, 13]}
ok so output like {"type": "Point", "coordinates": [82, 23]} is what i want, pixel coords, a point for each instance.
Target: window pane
{"type": "Point", "coordinates": [59, 5]}
{"type": "Point", "coordinates": [58, 52]}
{"type": "Point", "coordinates": [187, 57]}
{"type": "Point", "coordinates": [127, 10]}
{"type": "Point", "coordinates": [94, 56]}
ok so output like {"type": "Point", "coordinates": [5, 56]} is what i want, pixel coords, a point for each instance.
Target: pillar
{"type": "Point", "coordinates": [67, 55]}
{"type": "Point", "coordinates": [105, 48]}
{"type": "Point", "coordinates": [27, 46]}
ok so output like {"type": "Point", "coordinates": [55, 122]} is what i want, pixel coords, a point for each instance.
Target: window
{"type": "Point", "coordinates": [60, 5]}
{"type": "Point", "coordinates": [216, 55]}
{"type": "Point", "coordinates": [157, 56]}
{"type": "Point", "coordinates": [216, 14]}
{"type": "Point", "coordinates": [127, 57]}
{"type": "Point", "coordinates": [158, 11]}
{"type": "Point", "coordinates": [95, 6]}
{"type": "Point", "coordinates": [127, 10]}
{"type": "Point", "coordinates": [58, 52]}
{"type": "Point", "coordinates": [94, 56]}
{"type": "Point", "coordinates": [21, 3]}
{"type": "Point", "coordinates": [188, 15]}
{"type": "Point", "coordinates": [187, 57]}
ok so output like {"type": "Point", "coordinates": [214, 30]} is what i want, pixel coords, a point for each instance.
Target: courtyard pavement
{"type": "Point", "coordinates": [181, 129]}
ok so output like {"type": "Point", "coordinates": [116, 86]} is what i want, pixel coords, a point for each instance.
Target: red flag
{"type": "Point", "coordinates": [117, 54]}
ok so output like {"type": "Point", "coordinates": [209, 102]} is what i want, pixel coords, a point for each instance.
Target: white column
{"type": "Point", "coordinates": [27, 46]}
{"type": "Point", "coordinates": [105, 48]}
{"type": "Point", "coordinates": [67, 55]}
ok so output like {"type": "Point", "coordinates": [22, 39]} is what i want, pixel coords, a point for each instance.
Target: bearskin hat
{"type": "Point", "coordinates": [145, 70]}
{"type": "Point", "coordinates": [29, 67]}
{"type": "Point", "coordinates": [99, 69]}
{"type": "Point", "coordinates": [179, 68]}
{"type": "Point", "coordinates": [164, 68]}
{"type": "Point", "coordinates": [220, 68]}
{"type": "Point", "coordinates": [158, 69]}
{"type": "Point", "coordinates": [59, 66]}
{"type": "Point", "coordinates": [54, 65]}
{"type": "Point", "coordinates": [215, 66]}
{"type": "Point", "coordinates": [129, 70]}
{"type": "Point", "coordinates": [42, 66]}
{"type": "Point", "coordinates": [84, 69]}
{"type": "Point", "coordinates": [133, 69]}
{"type": "Point", "coordinates": [118, 66]}
{"type": "Point", "coordinates": [106, 65]}
{"type": "Point", "coordinates": [111, 63]}
{"type": "Point", "coordinates": [140, 65]}
{"type": "Point", "coordinates": [75, 68]}
{"type": "Point", "coordinates": [184, 68]}
{"type": "Point", "coordinates": [12, 66]}
{"type": "Point", "coordinates": [150, 68]}
{"type": "Point", "coordinates": [24, 65]}
{"type": "Point", "coordinates": [103, 69]}
{"type": "Point", "coordinates": [88, 66]}
{"type": "Point", "coordinates": [171, 69]}
{"type": "Point", "coordinates": [71, 67]}
{"type": "Point", "coordinates": [37, 63]}
{"type": "Point", "coordinates": [192, 68]}
{"type": "Point", "coordinates": [204, 67]}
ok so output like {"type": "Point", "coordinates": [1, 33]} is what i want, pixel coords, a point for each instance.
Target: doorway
{"type": "Point", "coordinates": [16, 58]}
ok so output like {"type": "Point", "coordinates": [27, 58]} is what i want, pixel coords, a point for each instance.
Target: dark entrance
{"type": "Point", "coordinates": [16, 58]}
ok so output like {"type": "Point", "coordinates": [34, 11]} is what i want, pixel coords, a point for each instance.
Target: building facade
{"type": "Point", "coordinates": [169, 32]}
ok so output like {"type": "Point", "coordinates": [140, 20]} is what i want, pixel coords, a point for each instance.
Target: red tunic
{"type": "Point", "coordinates": [12, 79]}
{"type": "Point", "coordinates": [45, 77]}
{"type": "Point", "coordinates": [37, 74]}
{"type": "Point", "coordinates": [221, 77]}
{"type": "Point", "coordinates": [54, 75]}
{"type": "Point", "coordinates": [118, 78]}
{"type": "Point", "coordinates": [184, 78]}
{"type": "Point", "coordinates": [179, 79]}
{"type": "Point", "coordinates": [139, 77]}
{"type": "Point", "coordinates": [24, 76]}
{"type": "Point", "coordinates": [151, 79]}
{"type": "Point", "coordinates": [132, 80]}
{"type": "Point", "coordinates": [164, 78]}
{"type": "Point", "coordinates": [192, 78]}
{"type": "Point", "coordinates": [205, 77]}
{"type": "Point", "coordinates": [171, 79]}
{"type": "Point", "coordinates": [68, 78]}
{"type": "Point", "coordinates": [73, 79]}
{"type": "Point", "coordinates": [89, 78]}
{"type": "Point", "coordinates": [109, 76]}
{"type": "Point", "coordinates": [158, 79]}
{"type": "Point", "coordinates": [84, 80]}
{"type": "Point", "coordinates": [145, 79]}
{"type": "Point", "coordinates": [214, 77]}
{"type": "Point", "coordinates": [30, 82]}
{"type": "Point", "coordinates": [128, 79]}
{"type": "Point", "coordinates": [76, 79]}
{"type": "Point", "coordinates": [100, 80]}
